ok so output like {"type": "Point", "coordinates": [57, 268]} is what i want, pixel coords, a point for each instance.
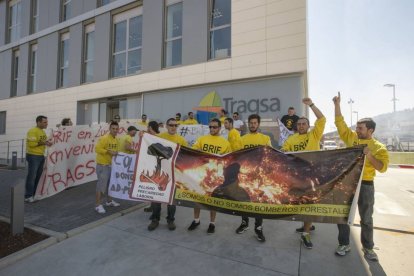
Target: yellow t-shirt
{"type": "Point", "coordinates": [190, 122]}
{"type": "Point", "coordinates": [308, 141]}
{"type": "Point", "coordinates": [251, 140]}
{"type": "Point", "coordinates": [212, 144]}
{"type": "Point", "coordinates": [105, 143]}
{"type": "Point", "coordinates": [180, 122]}
{"type": "Point", "coordinates": [174, 138]}
{"type": "Point", "coordinates": [222, 119]}
{"type": "Point", "coordinates": [235, 139]}
{"type": "Point", "coordinates": [34, 136]}
{"type": "Point", "coordinates": [143, 123]}
{"type": "Point", "coordinates": [378, 150]}
{"type": "Point", "coordinates": [122, 142]}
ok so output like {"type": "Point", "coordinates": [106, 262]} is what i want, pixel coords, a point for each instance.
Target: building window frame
{"type": "Point", "coordinates": [32, 85]}
{"type": "Point", "coordinates": [212, 54]}
{"type": "Point", "coordinates": [170, 40]}
{"type": "Point", "coordinates": [101, 3]}
{"type": "Point", "coordinates": [34, 15]}
{"type": "Point", "coordinates": [15, 73]}
{"type": "Point", "coordinates": [88, 58]}
{"type": "Point", "coordinates": [64, 44]}
{"type": "Point", "coordinates": [3, 120]}
{"type": "Point", "coordinates": [65, 10]}
{"type": "Point", "coordinates": [14, 20]}
{"type": "Point", "coordinates": [126, 17]}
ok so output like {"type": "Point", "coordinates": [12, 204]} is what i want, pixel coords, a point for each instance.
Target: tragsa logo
{"type": "Point", "coordinates": [208, 107]}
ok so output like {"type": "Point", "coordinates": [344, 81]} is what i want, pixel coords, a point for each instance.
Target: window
{"type": "Point", "coordinates": [14, 17]}
{"type": "Point", "coordinates": [173, 33]}
{"type": "Point", "coordinates": [15, 73]}
{"type": "Point", "coordinates": [103, 2]}
{"type": "Point", "coordinates": [2, 122]}
{"type": "Point", "coordinates": [89, 52]}
{"type": "Point", "coordinates": [32, 68]}
{"type": "Point", "coordinates": [66, 9]}
{"type": "Point", "coordinates": [63, 60]}
{"type": "Point", "coordinates": [127, 43]}
{"type": "Point", "coordinates": [220, 29]}
{"type": "Point", "coordinates": [35, 16]}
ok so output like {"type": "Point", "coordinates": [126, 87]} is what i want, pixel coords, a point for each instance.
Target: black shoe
{"type": "Point", "coordinates": [171, 225]}
{"type": "Point", "coordinates": [306, 241]}
{"type": "Point", "coordinates": [211, 228]}
{"type": "Point", "coordinates": [301, 229]}
{"type": "Point", "coordinates": [148, 209]}
{"type": "Point", "coordinates": [153, 225]}
{"type": "Point", "coordinates": [242, 228]}
{"type": "Point", "coordinates": [259, 233]}
{"type": "Point", "coordinates": [193, 225]}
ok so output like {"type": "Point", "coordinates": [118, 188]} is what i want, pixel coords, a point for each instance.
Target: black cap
{"type": "Point", "coordinates": [132, 128]}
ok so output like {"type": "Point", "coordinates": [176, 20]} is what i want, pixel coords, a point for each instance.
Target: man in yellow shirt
{"type": "Point", "coordinates": [222, 115]}
{"type": "Point", "coordinates": [106, 147]}
{"type": "Point", "coordinates": [125, 142]}
{"type": "Point", "coordinates": [377, 159]}
{"type": "Point", "coordinates": [190, 120]}
{"type": "Point", "coordinates": [143, 121]}
{"type": "Point", "coordinates": [36, 142]}
{"type": "Point", "coordinates": [234, 136]}
{"type": "Point", "coordinates": [251, 140]}
{"type": "Point", "coordinates": [172, 136]}
{"type": "Point", "coordinates": [178, 119]}
{"type": "Point", "coordinates": [305, 140]}
{"type": "Point", "coordinates": [215, 144]}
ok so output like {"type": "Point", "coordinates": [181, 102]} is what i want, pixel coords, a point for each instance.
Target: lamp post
{"type": "Point", "coordinates": [356, 114]}
{"type": "Point", "coordinates": [393, 92]}
{"type": "Point", "coordinates": [351, 101]}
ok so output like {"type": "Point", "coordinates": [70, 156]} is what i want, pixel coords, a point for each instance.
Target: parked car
{"type": "Point", "coordinates": [329, 145]}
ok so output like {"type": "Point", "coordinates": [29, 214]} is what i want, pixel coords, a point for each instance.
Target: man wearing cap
{"type": "Point", "coordinates": [125, 142]}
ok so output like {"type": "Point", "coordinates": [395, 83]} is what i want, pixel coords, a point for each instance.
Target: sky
{"type": "Point", "coordinates": [357, 46]}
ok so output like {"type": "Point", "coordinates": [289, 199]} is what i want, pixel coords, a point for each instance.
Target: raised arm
{"type": "Point", "coordinates": [316, 111]}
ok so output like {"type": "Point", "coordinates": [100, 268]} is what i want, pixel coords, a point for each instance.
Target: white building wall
{"type": "Point", "coordinates": [268, 39]}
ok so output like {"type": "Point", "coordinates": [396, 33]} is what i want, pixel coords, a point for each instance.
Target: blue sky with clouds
{"type": "Point", "coordinates": [357, 46]}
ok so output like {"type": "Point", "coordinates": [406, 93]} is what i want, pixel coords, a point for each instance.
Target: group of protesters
{"type": "Point", "coordinates": [303, 139]}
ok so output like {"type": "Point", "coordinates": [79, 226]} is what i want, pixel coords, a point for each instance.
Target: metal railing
{"type": "Point", "coordinates": [8, 147]}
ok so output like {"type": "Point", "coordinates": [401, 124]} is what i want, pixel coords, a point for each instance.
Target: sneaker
{"type": "Point", "coordinates": [259, 233]}
{"type": "Point", "coordinates": [211, 228]}
{"type": "Point", "coordinates": [342, 250]}
{"type": "Point", "coordinates": [153, 225]}
{"type": "Point", "coordinates": [171, 225]}
{"type": "Point", "coordinates": [148, 209]}
{"type": "Point", "coordinates": [100, 209]}
{"type": "Point", "coordinates": [112, 203]}
{"type": "Point", "coordinates": [193, 225]}
{"type": "Point", "coordinates": [242, 228]}
{"type": "Point", "coordinates": [301, 229]}
{"type": "Point", "coordinates": [306, 240]}
{"type": "Point", "coordinates": [370, 254]}
{"type": "Point", "coordinates": [29, 199]}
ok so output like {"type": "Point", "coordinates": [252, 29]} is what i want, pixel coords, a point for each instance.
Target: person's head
{"type": "Point", "coordinates": [172, 126]}
{"type": "Point", "coordinates": [365, 128]}
{"type": "Point", "coordinates": [144, 118]}
{"type": "Point", "coordinates": [132, 131]}
{"type": "Point", "coordinates": [153, 128]}
{"type": "Point", "coordinates": [231, 173]}
{"type": "Point", "coordinates": [302, 125]}
{"type": "Point", "coordinates": [41, 121]}
{"type": "Point", "coordinates": [113, 128]}
{"type": "Point", "coordinates": [160, 124]}
{"type": "Point", "coordinates": [235, 115]}
{"type": "Point", "coordinates": [228, 123]}
{"type": "Point", "coordinates": [178, 116]}
{"type": "Point", "coordinates": [191, 115]}
{"type": "Point", "coordinates": [214, 126]}
{"type": "Point", "coordinates": [291, 111]}
{"type": "Point", "coordinates": [117, 118]}
{"type": "Point", "coordinates": [66, 122]}
{"type": "Point", "coordinates": [254, 122]}
{"type": "Point", "coordinates": [222, 112]}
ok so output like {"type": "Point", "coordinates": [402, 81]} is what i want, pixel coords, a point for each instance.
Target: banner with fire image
{"type": "Point", "coordinates": [154, 170]}
{"type": "Point", "coordinates": [318, 186]}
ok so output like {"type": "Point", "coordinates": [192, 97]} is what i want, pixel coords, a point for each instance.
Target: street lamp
{"type": "Point", "coordinates": [351, 101]}
{"type": "Point", "coordinates": [356, 114]}
{"type": "Point", "coordinates": [393, 92]}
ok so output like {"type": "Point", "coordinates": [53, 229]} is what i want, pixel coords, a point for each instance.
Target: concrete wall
{"type": "Point", "coordinates": [5, 74]}
{"type": "Point", "coordinates": [23, 69]}
{"type": "Point", "coordinates": [49, 13]}
{"type": "Point", "coordinates": [47, 62]}
{"type": "Point", "coordinates": [406, 158]}
{"type": "Point", "coordinates": [75, 54]}
{"type": "Point", "coordinates": [102, 47]}
{"type": "Point", "coordinates": [3, 22]}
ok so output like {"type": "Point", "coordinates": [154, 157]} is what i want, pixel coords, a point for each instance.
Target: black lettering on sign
{"type": "Point", "coordinates": [211, 148]}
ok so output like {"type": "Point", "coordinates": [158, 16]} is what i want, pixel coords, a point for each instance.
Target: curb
{"type": "Point", "coordinates": [56, 237]}
{"type": "Point", "coordinates": [401, 166]}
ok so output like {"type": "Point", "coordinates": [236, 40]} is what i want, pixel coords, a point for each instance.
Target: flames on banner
{"type": "Point", "coordinates": [270, 176]}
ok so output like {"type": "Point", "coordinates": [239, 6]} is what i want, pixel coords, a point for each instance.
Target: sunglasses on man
{"type": "Point", "coordinates": [173, 125]}
{"type": "Point", "coordinates": [215, 127]}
